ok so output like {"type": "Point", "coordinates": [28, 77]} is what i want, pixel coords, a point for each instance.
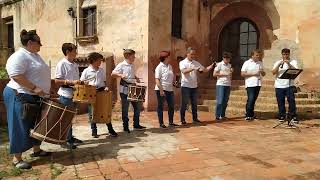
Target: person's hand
{"type": "Point", "coordinates": [74, 82]}
{"type": "Point", "coordinates": [211, 66]}
{"type": "Point", "coordinates": [106, 89]}
{"type": "Point", "coordinates": [262, 72]}
{"type": "Point", "coordinates": [175, 83]}
{"type": "Point", "coordinates": [255, 73]}
{"type": "Point", "coordinates": [286, 61]}
{"type": "Point", "coordinates": [38, 91]}
{"type": "Point", "coordinates": [161, 92]}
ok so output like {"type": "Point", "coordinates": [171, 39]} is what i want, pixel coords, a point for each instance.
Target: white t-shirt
{"type": "Point", "coordinates": [190, 79]}
{"type": "Point", "coordinates": [32, 67]}
{"type": "Point", "coordinates": [250, 66]}
{"type": "Point", "coordinates": [284, 83]}
{"type": "Point", "coordinates": [97, 77]}
{"type": "Point", "coordinates": [68, 71]}
{"type": "Point", "coordinates": [128, 69]}
{"type": "Point", "coordinates": [165, 74]}
{"type": "Point", "coordinates": [223, 68]}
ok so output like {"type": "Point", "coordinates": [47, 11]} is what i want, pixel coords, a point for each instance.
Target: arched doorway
{"type": "Point", "coordinates": [240, 36]}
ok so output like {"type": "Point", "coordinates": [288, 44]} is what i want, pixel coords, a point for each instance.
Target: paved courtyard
{"type": "Point", "coordinates": [232, 149]}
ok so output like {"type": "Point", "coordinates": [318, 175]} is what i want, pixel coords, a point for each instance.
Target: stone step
{"type": "Point", "coordinates": [262, 114]}
{"type": "Point", "coordinates": [242, 87]}
{"type": "Point", "coordinates": [211, 94]}
{"type": "Point", "coordinates": [312, 108]}
{"type": "Point", "coordinates": [305, 101]}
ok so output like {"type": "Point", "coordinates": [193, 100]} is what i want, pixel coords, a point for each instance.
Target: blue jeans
{"type": "Point", "coordinates": [186, 94]}
{"type": "Point", "coordinates": [281, 94]}
{"type": "Point", "coordinates": [125, 109]}
{"type": "Point", "coordinates": [169, 96]}
{"type": "Point", "coordinates": [252, 94]}
{"type": "Point", "coordinates": [19, 128]}
{"type": "Point", "coordinates": [94, 125]}
{"type": "Point", "coordinates": [68, 102]}
{"type": "Point", "coordinates": [222, 98]}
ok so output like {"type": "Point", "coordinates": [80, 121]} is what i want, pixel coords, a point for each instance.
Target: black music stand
{"type": "Point", "coordinates": [289, 74]}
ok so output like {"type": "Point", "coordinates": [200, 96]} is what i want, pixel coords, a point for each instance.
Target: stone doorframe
{"type": "Point", "coordinates": [230, 11]}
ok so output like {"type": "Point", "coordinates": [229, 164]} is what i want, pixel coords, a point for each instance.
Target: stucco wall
{"type": "Point", "coordinates": [299, 29]}
{"type": "Point", "coordinates": [49, 18]}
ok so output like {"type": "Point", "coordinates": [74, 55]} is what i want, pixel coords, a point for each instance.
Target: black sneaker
{"type": "Point", "coordinates": [126, 130]}
{"type": "Point", "coordinates": [22, 165]}
{"type": "Point", "coordinates": [40, 153]}
{"type": "Point", "coordinates": [76, 141]}
{"type": "Point", "coordinates": [163, 126]}
{"type": "Point", "coordinates": [113, 133]}
{"type": "Point", "coordinates": [218, 119]}
{"type": "Point", "coordinates": [173, 124]}
{"type": "Point", "coordinates": [196, 121]}
{"type": "Point", "coordinates": [139, 127]}
{"type": "Point", "coordinates": [249, 118]}
{"type": "Point", "coordinates": [281, 119]}
{"type": "Point", "coordinates": [68, 145]}
{"type": "Point", "coordinates": [183, 122]}
{"type": "Point", "coordinates": [94, 135]}
{"type": "Point", "coordinates": [295, 120]}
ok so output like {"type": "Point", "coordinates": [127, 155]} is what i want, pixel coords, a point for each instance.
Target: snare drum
{"type": "Point", "coordinates": [136, 93]}
{"type": "Point", "coordinates": [102, 109]}
{"type": "Point", "coordinates": [53, 123]}
{"type": "Point", "coordinates": [84, 93]}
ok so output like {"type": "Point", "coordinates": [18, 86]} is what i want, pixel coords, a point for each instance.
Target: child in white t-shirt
{"type": "Point", "coordinates": [97, 78]}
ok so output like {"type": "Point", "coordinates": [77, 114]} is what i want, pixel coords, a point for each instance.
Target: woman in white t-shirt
{"type": "Point", "coordinates": [29, 81]}
{"type": "Point", "coordinates": [164, 88]}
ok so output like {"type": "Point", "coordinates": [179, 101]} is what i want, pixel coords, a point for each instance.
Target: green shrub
{"type": "Point", "coordinates": [3, 73]}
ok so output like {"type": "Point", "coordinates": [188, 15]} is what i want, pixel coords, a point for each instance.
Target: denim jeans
{"type": "Point", "coordinates": [68, 102]}
{"type": "Point", "coordinates": [222, 98]}
{"type": "Point", "coordinates": [125, 110]}
{"type": "Point", "coordinates": [169, 96]}
{"type": "Point", "coordinates": [93, 125]}
{"type": "Point", "coordinates": [252, 94]}
{"type": "Point", "coordinates": [186, 94]}
{"type": "Point", "coordinates": [281, 94]}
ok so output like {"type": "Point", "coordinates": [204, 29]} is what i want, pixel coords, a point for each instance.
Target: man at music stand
{"type": "Point", "coordinates": [286, 70]}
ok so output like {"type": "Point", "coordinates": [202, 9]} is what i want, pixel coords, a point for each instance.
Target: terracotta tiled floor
{"type": "Point", "coordinates": [232, 149]}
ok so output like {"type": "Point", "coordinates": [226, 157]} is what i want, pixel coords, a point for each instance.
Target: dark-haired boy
{"type": "Point", "coordinates": [97, 77]}
{"type": "Point", "coordinates": [284, 87]}
{"type": "Point", "coordinates": [67, 73]}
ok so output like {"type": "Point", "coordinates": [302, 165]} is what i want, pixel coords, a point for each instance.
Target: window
{"type": "Point", "coordinates": [248, 40]}
{"type": "Point", "coordinates": [176, 25]}
{"type": "Point", "coordinates": [239, 37]}
{"type": "Point", "coordinates": [89, 21]}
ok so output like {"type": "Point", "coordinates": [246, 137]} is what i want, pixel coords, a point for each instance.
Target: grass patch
{"type": "Point", "coordinates": [11, 173]}
{"type": "Point", "coordinates": [55, 171]}
{"type": "Point", "coordinates": [14, 172]}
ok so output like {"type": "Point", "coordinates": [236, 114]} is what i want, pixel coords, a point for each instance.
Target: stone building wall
{"type": "Point", "coordinates": [145, 26]}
